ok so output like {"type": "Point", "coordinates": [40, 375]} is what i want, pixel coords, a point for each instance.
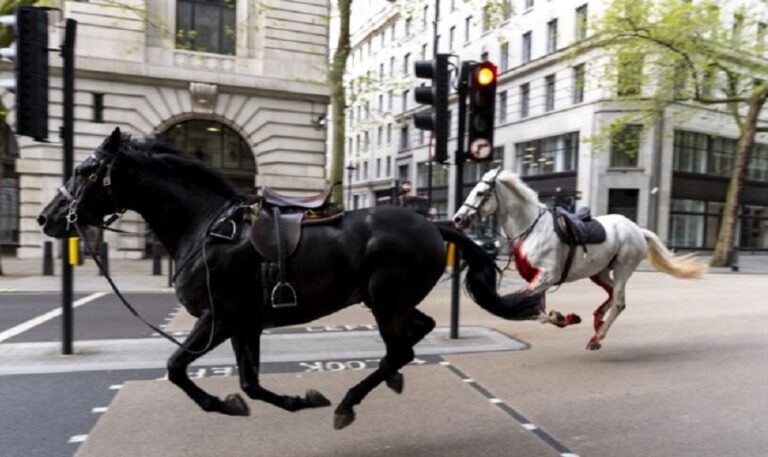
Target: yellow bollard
{"type": "Point", "coordinates": [74, 251]}
{"type": "Point", "coordinates": [450, 258]}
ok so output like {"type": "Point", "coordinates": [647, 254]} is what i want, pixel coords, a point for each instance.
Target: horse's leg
{"type": "Point", "coordinates": [418, 326]}
{"type": "Point", "coordinates": [539, 285]}
{"type": "Point", "coordinates": [197, 344]}
{"type": "Point", "coordinates": [247, 352]}
{"type": "Point", "coordinates": [602, 279]}
{"type": "Point", "coordinates": [620, 276]}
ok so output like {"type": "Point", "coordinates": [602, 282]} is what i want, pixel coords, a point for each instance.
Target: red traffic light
{"type": "Point", "coordinates": [485, 74]}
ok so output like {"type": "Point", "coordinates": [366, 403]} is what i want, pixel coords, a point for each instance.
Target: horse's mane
{"type": "Point", "coordinates": [513, 181]}
{"type": "Point", "coordinates": [154, 153]}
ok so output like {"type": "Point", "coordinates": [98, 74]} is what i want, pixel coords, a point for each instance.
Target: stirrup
{"type": "Point", "coordinates": [287, 304]}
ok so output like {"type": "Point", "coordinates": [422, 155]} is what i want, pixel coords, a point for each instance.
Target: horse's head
{"type": "Point", "coordinates": [87, 197]}
{"type": "Point", "coordinates": [482, 201]}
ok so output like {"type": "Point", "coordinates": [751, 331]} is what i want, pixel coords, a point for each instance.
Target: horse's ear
{"type": "Point", "coordinates": [114, 140]}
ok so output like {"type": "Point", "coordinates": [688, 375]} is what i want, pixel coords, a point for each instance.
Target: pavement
{"type": "Point", "coordinates": [136, 275]}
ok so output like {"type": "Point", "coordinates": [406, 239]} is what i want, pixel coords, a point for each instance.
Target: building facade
{"type": "Point", "coordinates": [671, 178]}
{"type": "Point", "coordinates": [240, 84]}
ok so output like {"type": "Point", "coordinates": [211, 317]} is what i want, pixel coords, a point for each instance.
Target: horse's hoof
{"type": "Point", "coordinates": [234, 405]}
{"type": "Point", "coordinates": [396, 382]}
{"type": "Point", "coordinates": [594, 344]}
{"type": "Point", "coordinates": [315, 399]}
{"type": "Point", "coordinates": [341, 420]}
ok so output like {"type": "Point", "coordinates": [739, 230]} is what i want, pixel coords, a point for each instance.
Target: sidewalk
{"type": "Point", "coordinates": [24, 275]}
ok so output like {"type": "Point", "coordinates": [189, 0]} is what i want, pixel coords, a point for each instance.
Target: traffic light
{"type": "Point", "coordinates": [482, 101]}
{"type": "Point", "coordinates": [30, 55]}
{"type": "Point", "coordinates": [435, 119]}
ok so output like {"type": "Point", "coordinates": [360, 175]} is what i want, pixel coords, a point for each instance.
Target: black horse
{"type": "Point", "coordinates": [388, 258]}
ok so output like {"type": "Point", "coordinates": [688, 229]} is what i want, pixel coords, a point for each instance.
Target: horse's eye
{"type": "Point", "coordinates": [481, 194]}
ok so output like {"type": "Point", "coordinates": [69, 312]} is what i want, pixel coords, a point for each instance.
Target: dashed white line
{"type": "Point", "coordinates": [495, 401]}
{"type": "Point", "coordinates": [99, 410]}
{"type": "Point", "coordinates": [444, 363]}
{"type": "Point", "coordinates": [77, 438]}
{"type": "Point", "coordinates": [468, 380]}
{"type": "Point", "coordinates": [115, 387]}
{"type": "Point", "coordinates": [530, 427]}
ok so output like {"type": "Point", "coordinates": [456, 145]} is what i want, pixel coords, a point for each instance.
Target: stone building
{"type": "Point", "coordinates": [547, 109]}
{"type": "Point", "coordinates": [239, 83]}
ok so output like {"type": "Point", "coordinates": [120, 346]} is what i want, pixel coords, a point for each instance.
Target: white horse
{"type": "Point", "coordinates": [541, 257]}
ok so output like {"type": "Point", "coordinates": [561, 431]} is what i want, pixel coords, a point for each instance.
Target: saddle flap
{"type": "Point", "coordinates": [264, 238]}
{"type": "Point", "coordinates": [579, 228]}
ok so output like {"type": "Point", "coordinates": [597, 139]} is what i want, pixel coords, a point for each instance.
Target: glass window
{"type": "Point", "coordinates": [721, 156]}
{"type": "Point", "coordinates": [581, 22]}
{"type": "Point", "coordinates": [548, 155]}
{"type": "Point", "coordinates": [526, 47]}
{"type": "Point", "coordinates": [549, 93]}
{"type": "Point", "coordinates": [525, 99]}
{"type": "Point", "coordinates": [504, 57]}
{"type": "Point", "coordinates": [625, 146]}
{"type": "Point", "coordinates": [218, 146]}
{"type": "Point", "coordinates": [467, 28]}
{"type": "Point", "coordinates": [502, 109]}
{"type": "Point", "coordinates": [206, 26]}
{"type": "Point", "coordinates": [578, 83]}
{"type": "Point", "coordinates": [630, 77]}
{"type": "Point", "coordinates": [690, 152]}
{"type": "Point", "coordinates": [552, 36]}
{"type": "Point", "coordinates": [758, 166]}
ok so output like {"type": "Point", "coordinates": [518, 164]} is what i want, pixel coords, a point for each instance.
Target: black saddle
{"type": "Point", "coordinates": [578, 229]}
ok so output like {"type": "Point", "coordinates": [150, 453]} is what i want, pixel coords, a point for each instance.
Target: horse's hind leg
{"type": "Point", "coordinates": [602, 279]}
{"type": "Point", "coordinates": [417, 327]}
{"type": "Point", "coordinates": [247, 349]}
{"type": "Point", "coordinates": [197, 344]}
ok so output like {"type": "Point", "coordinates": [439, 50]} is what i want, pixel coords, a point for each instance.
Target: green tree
{"type": "Point", "coordinates": [663, 53]}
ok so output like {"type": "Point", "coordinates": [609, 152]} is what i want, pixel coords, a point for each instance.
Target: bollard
{"type": "Point", "coordinates": [156, 267]}
{"type": "Point", "coordinates": [735, 259]}
{"type": "Point", "coordinates": [170, 271]}
{"type": "Point", "coordinates": [104, 258]}
{"type": "Point", "coordinates": [48, 258]}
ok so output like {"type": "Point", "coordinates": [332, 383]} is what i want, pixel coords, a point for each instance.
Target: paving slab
{"type": "Point", "coordinates": [437, 415]}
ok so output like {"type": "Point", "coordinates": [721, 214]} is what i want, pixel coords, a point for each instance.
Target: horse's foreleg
{"type": "Point", "coordinates": [247, 349]}
{"type": "Point", "coordinates": [206, 335]}
{"type": "Point", "coordinates": [418, 326]}
{"type": "Point", "coordinates": [542, 282]}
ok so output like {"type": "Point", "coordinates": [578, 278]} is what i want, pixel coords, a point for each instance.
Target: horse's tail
{"type": "Point", "coordinates": [679, 266]}
{"type": "Point", "coordinates": [481, 281]}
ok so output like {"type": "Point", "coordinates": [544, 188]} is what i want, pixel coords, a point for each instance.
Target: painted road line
{"type": "Point", "coordinates": [115, 387]}
{"type": "Point", "coordinates": [99, 410]}
{"type": "Point", "coordinates": [35, 321]}
{"type": "Point", "coordinates": [77, 438]}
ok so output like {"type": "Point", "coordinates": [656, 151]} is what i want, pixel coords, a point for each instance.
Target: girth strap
{"type": "Point", "coordinates": [283, 295]}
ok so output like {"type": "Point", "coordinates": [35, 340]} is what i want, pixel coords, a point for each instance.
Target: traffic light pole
{"type": "Point", "coordinates": [67, 136]}
{"type": "Point", "coordinates": [430, 163]}
{"type": "Point", "coordinates": [459, 192]}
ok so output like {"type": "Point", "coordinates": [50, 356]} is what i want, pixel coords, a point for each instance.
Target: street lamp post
{"type": "Point", "coordinates": [350, 170]}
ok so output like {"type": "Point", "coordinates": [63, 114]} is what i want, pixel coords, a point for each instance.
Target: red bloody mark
{"type": "Point", "coordinates": [523, 266]}
{"type": "Point", "coordinates": [600, 311]}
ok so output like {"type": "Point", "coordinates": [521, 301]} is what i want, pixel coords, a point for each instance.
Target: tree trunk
{"type": "Point", "coordinates": [338, 101]}
{"type": "Point", "coordinates": [743, 155]}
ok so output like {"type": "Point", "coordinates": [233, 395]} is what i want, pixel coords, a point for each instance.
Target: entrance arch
{"type": "Point", "coordinates": [218, 146]}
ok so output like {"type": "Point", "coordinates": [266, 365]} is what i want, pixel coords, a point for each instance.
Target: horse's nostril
{"type": "Point", "coordinates": [42, 220]}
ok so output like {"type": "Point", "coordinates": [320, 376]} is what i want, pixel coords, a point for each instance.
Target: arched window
{"type": "Point", "coordinates": [206, 26]}
{"type": "Point", "coordinates": [218, 146]}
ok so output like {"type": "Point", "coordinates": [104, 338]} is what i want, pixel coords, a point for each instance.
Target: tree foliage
{"type": "Point", "coordinates": [707, 53]}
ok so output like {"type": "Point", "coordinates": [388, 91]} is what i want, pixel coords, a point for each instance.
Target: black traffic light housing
{"type": "Point", "coordinates": [436, 119]}
{"type": "Point", "coordinates": [482, 102]}
{"type": "Point", "coordinates": [31, 71]}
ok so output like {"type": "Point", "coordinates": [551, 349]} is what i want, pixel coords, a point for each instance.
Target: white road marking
{"type": "Point", "coordinates": [99, 410]}
{"type": "Point", "coordinates": [569, 455]}
{"type": "Point", "coordinates": [530, 427]}
{"type": "Point", "coordinates": [115, 387]}
{"type": "Point", "coordinates": [35, 321]}
{"type": "Point", "coordinates": [495, 401]}
{"type": "Point", "coordinates": [445, 363]}
{"type": "Point", "coordinates": [77, 438]}
{"type": "Point", "coordinates": [468, 380]}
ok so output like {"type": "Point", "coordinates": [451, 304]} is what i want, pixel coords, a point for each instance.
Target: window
{"type": "Point", "coordinates": [552, 36]}
{"type": "Point", "coordinates": [528, 4]}
{"type": "Point", "coordinates": [378, 168]}
{"type": "Point", "coordinates": [504, 57]}
{"type": "Point", "coordinates": [389, 166]}
{"type": "Point", "coordinates": [467, 29]}
{"type": "Point", "coordinates": [381, 103]}
{"type": "Point", "coordinates": [404, 143]}
{"type": "Point", "coordinates": [525, 99]}
{"type": "Point", "coordinates": [526, 47]}
{"type": "Point", "coordinates": [365, 170]}
{"type": "Point", "coordinates": [406, 64]}
{"type": "Point", "coordinates": [390, 101]}
{"type": "Point", "coordinates": [379, 136]}
{"type": "Point", "coordinates": [407, 26]}
{"type": "Point", "coordinates": [425, 17]}
{"type": "Point", "coordinates": [216, 145]}
{"type": "Point", "coordinates": [690, 152]}
{"type": "Point", "coordinates": [98, 108]}
{"type": "Point", "coordinates": [762, 27]}
{"type": "Point", "coordinates": [581, 22]}
{"type": "Point", "coordinates": [391, 66]}
{"type": "Point", "coordinates": [392, 32]}
{"type": "Point", "coordinates": [389, 134]}
{"type": "Point", "coordinates": [687, 223]}
{"type": "Point", "coordinates": [404, 172]}
{"type": "Point", "coordinates": [555, 154]}
{"type": "Point", "coordinates": [486, 18]}
{"type": "Point", "coordinates": [758, 167]}
{"type": "Point", "coordinates": [625, 147]}
{"type": "Point", "coordinates": [506, 9]}
{"type": "Point", "coordinates": [709, 154]}
{"type": "Point", "coordinates": [630, 77]}
{"type": "Point", "coordinates": [578, 83]}
{"type": "Point", "coordinates": [502, 107]}
{"type": "Point", "coordinates": [405, 100]}
{"type": "Point", "coordinates": [484, 56]}
{"type": "Point", "coordinates": [206, 26]}
{"type": "Point", "coordinates": [549, 93]}
{"type": "Point", "coordinates": [451, 36]}
{"type": "Point", "coordinates": [424, 51]}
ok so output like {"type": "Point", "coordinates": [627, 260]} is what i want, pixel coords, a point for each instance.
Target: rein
{"type": "Point", "coordinates": [72, 220]}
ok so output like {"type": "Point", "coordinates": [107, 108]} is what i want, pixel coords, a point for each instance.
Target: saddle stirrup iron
{"type": "Point", "coordinates": [282, 284]}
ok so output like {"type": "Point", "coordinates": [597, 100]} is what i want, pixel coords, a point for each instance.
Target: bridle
{"type": "Point", "coordinates": [487, 194]}
{"type": "Point", "coordinates": [103, 173]}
